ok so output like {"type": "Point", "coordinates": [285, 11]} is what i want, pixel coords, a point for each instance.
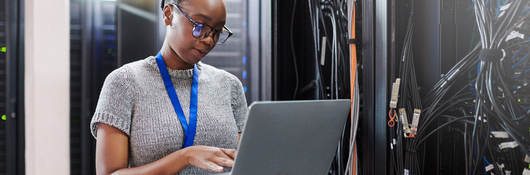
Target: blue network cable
{"type": "Point", "coordinates": [520, 61]}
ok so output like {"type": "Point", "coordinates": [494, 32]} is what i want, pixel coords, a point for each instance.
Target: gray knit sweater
{"type": "Point", "coordinates": [134, 100]}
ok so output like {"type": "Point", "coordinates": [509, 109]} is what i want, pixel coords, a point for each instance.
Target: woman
{"type": "Point", "coordinates": [171, 113]}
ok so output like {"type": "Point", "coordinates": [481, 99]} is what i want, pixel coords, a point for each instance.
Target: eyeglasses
{"type": "Point", "coordinates": [201, 31]}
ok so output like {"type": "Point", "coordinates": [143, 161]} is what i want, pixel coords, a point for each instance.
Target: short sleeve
{"type": "Point", "coordinates": [116, 102]}
{"type": "Point", "coordinates": [239, 103]}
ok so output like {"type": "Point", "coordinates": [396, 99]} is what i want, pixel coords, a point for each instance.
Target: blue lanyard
{"type": "Point", "coordinates": [189, 130]}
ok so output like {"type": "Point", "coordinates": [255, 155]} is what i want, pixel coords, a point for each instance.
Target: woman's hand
{"type": "Point", "coordinates": [210, 158]}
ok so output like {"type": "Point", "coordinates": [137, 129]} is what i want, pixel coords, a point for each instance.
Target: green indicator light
{"type": "Point", "coordinates": [519, 100]}
{"type": "Point", "coordinates": [3, 49]}
{"type": "Point", "coordinates": [4, 117]}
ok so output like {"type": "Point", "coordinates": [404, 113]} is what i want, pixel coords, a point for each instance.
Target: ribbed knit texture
{"type": "Point", "coordinates": [134, 100]}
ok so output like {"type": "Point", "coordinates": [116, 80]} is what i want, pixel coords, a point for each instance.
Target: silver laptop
{"type": "Point", "coordinates": [291, 137]}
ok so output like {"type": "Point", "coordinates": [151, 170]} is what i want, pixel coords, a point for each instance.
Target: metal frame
{"type": "Point", "coordinates": [366, 133]}
{"type": "Point", "coordinates": [375, 80]}
{"type": "Point", "coordinates": [15, 142]}
{"type": "Point", "coordinates": [274, 52]}
{"type": "Point", "coordinates": [254, 41]}
{"type": "Point", "coordinates": [381, 83]}
{"type": "Point", "coordinates": [266, 50]}
{"type": "Point", "coordinates": [259, 33]}
{"type": "Point", "coordinates": [86, 55]}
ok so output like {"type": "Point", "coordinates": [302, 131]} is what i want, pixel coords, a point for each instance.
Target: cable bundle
{"type": "Point", "coordinates": [336, 68]}
{"type": "Point", "coordinates": [329, 24]}
{"type": "Point", "coordinates": [486, 109]}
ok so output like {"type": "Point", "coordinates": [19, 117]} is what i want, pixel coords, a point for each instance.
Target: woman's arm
{"type": "Point", "coordinates": [112, 156]}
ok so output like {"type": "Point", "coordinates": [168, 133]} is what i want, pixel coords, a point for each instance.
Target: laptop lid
{"type": "Point", "coordinates": [291, 137]}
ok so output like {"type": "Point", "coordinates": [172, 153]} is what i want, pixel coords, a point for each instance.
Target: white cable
{"type": "Point", "coordinates": [334, 58]}
{"type": "Point", "coordinates": [354, 125]}
{"type": "Point", "coordinates": [332, 82]}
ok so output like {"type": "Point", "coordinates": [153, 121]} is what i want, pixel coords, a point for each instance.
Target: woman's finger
{"type": "Point", "coordinates": [209, 166]}
{"type": "Point", "coordinates": [227, 162]}
{"type": "Point", "coordinates": [221, 153]}
{"type": "Point", "coordinates": [230, 152]}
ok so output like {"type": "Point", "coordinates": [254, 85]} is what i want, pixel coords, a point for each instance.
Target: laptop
{"type": "Point", "coordinates": [290, 137]}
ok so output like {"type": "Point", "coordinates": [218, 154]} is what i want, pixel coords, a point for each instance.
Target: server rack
{"type": "Point", "coordinates": [445, 31]}
{"type": "Point", "coordinates": [75, 87]}
{"type": "Point", "coordinates": [12, 87]}
{"type": "Point", "coordinates": [134, 17]}
{"type": "Point", "coordinates": [234, 56]}
{"type": "Point", "coordinates": [3, 89]}
{"type": "Point", "coordinates": [92, 58]}
{"type": "Point", "coordinates": [373, 64]}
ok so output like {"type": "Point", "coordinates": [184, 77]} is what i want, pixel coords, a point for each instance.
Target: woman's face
{"type": "Point", "coordinates": [179, 33]}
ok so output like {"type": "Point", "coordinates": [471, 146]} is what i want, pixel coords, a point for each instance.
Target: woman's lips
{"type": "Point", "coordinates": [199, 53]}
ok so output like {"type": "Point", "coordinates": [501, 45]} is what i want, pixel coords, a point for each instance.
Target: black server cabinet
{"type": "Point", "coordinates": [294, 74]}
{"type": "Point", "coordinates": [92, 58]}
{"type": "Point", "coordinates": [446, 31]}
{"type": "Point", "coordinates": [75, 87]}
{"type": "Point", "coordinates": [233, 56]}
{"type": "Point", "coordinates": [137, 29]}
{"type": "Point", "coordinates": [12, 87]}
{"type": "Point", "coordinates": [3, 88]}
{"type": "Point", "coordinates": [374, 32]}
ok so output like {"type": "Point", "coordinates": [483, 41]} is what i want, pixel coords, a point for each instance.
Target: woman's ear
{"type": "Point", "coordinates": [168, 15]}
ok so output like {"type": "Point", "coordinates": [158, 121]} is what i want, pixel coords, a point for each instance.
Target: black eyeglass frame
{"type": "Point", "coordinates": [198, 27]}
